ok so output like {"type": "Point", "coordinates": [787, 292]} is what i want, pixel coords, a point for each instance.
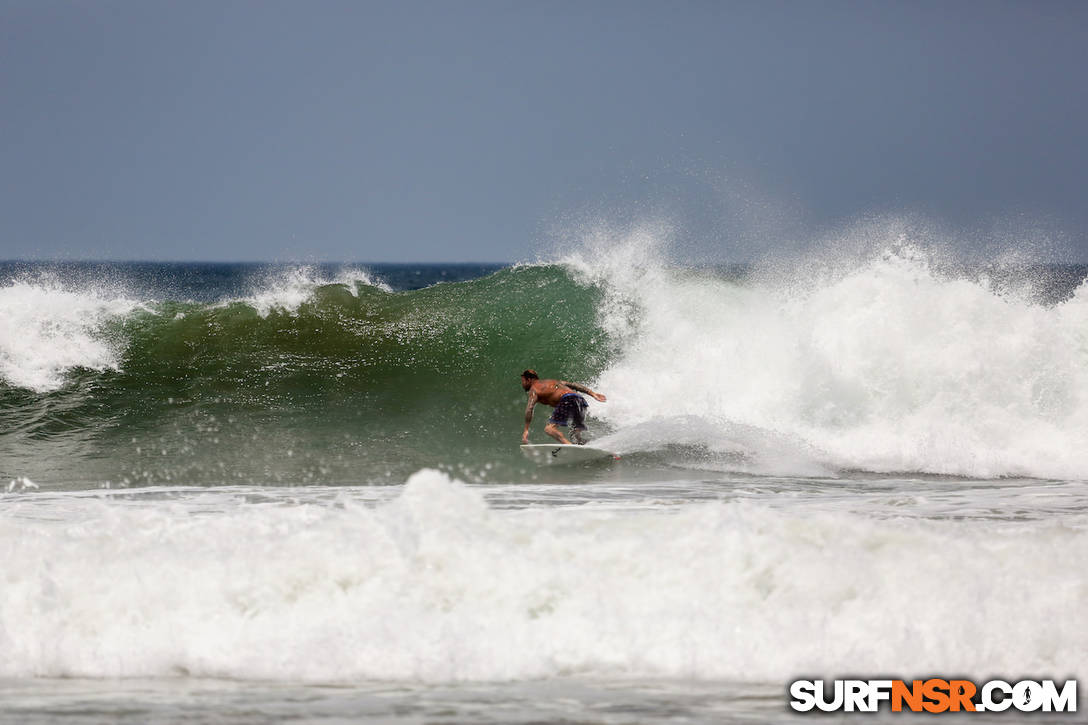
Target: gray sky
{"type": "Point", "coordinates": [474, 131]}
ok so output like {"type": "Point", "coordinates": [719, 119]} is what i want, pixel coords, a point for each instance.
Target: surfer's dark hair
{"type": "Point", "coordinates": [531, 374]}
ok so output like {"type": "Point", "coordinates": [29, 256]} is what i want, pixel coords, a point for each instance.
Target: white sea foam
{"type": "Point", "coordinates": [883, 365]}
{"type": "Point", "coordinates": [47, 328]}
{"type": "Point", "coordinates": [288, 288]}
{"type": "Point", "coordinates": [20, 484]}
{"type": "Point", "coordinates": [436, 585]}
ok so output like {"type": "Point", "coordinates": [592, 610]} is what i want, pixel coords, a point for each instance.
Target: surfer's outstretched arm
{"type": "Point", "coordinates": [528, 416]}
{"type": "Point", "coordinates": [584, 389]}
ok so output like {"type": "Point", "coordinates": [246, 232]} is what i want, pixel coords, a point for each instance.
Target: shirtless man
{"type": "Point", "coordinates": [570, 407]}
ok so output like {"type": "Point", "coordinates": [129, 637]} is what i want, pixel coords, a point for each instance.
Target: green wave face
{"type": "Point", "coordinates": [354, 386]}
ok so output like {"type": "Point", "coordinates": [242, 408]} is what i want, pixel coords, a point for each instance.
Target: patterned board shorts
{"type": "Point", "coordinates": [570, 409]}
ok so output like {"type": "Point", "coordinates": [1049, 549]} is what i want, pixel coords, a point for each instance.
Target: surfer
{"type": "Point", "coordinates": [570, 407]}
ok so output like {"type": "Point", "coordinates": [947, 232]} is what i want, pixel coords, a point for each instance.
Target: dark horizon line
{"type": "Point", "coordinates": [240, 261]}
{"type": "Point", "coordinates": [1079, 263]}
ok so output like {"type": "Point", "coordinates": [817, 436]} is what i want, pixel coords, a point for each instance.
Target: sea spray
{"type": "Point", "coordinates": [890, 366]}
{"type": "Point", "coordinates": [285, 289]}
{"type": "Point", "coordinates": [47, 329]}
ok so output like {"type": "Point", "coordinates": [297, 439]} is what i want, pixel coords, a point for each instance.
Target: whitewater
{"type": "Point", "coordinates": [240, 493]}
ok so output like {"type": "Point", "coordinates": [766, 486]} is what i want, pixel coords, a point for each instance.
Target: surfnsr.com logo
{"type": "Point", "coordinates": [933, 695]}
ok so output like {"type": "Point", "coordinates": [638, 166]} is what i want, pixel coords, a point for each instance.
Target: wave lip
{"type": "Point", "coordinates": [288, 289]}
{"type": "Point", "coordinates": [437, 586]}
{"type": "Point", "coordinates": [47, 329]}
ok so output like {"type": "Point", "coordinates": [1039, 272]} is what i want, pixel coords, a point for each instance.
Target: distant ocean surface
{"type": "Point", "coordinates": [242, 493]}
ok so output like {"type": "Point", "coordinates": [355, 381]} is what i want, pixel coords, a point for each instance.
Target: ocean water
{"type": "Point", "coordinates": [244, 493]}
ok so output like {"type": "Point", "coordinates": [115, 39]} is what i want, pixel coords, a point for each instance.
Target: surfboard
{"type": "Point", "coordinates": [553, 453]}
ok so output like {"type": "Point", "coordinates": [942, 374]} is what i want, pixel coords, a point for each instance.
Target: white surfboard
{"type": "Point", "coordinates": [551, 453]}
